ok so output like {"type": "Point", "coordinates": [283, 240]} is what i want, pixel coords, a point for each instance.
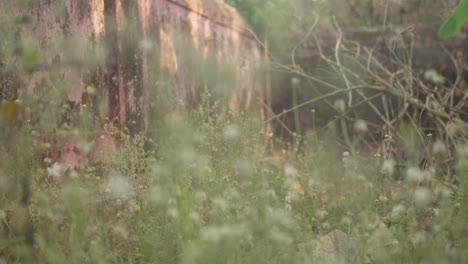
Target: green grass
{"type": "Point", "coordinates": [205, 191]}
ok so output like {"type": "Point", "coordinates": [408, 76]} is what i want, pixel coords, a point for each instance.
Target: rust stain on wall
{"type": "Point", "coordinates": [216, 30]}
{"type": "Point", "coordinates": [184, 31]}
{"type": "Point", "coordinates": [97, 17]}
{"type": "Point", "coordinates": [168, 53]}
{"type": "Point", "coordinates": [201, 45]}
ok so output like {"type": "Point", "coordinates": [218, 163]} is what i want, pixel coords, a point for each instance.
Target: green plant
{"type": "Point", "coordinates": [455, 21]}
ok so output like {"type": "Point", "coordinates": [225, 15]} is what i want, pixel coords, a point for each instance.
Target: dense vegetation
{"type": "Point", "coordinates": [208, 186]}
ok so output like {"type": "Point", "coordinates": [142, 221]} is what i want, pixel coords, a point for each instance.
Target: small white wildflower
{"type": "Point", "coordinates": [85, 146]}
{"type": "Point", "coordinates": [422, 197]}
{"type": "Point", "coordinates": [450, 250]}
{"type": "Point", "coordinates": [445, 192]}
{"type": "Point", "coordinates": [326, 225]}
{"type": "Point", "coordinates": [216, 233]}
{"type": "Point", "coordinates": [383, 198]}
{"type": "Point", "coordinates": [173, 212]}
{"type": "Point", "coordinates": [200, 196]}
{"type": "Point", "coordinates": [55, 170]}
{"type": "Point", "coordinates": [414, 174]}
{"type": "Point", "coordinates": [360, 126]}
{"type": "Point", "coordinates": [188, 155]}
{"type": "Point", "coordinates": [346, 220]}
{"type": "Point", "coordinates": [311, 183]}
{"type": "Point", "coordinates": [271, 193]}
{"type": "Point", "coordinates": [2, 215]}
{"type": "Point", "coordinates": [171, 202]}
{"type": "Point", "coordinates": [340, 105]}
{"type": "Point", "coordinates": [120, 231]}
{"type": "Point", "coordinates": [292, 198]}
{"type": "Point", "coordinates": [347, 162]}
{"type": "Point", "coordinates": [398, 211]}
{"type": "Point", "coordinates": [289, 170]}
{"type": "Point", "coordinates": [369, 185]}
{"type": "Point", "coordinates": [231, 132]}
{"type": "Point", "coordinates": [295, 81]}
{"type": "Point", "coordinates": [388, 167]}
{"type": "Point", "coordinates": [418, 238]}
{"type": "Point", "coordinates": [194, 216]}
{"type": "Point", "coordinates": [281, 237]}
{"type": "Point", "coordinates": [74, 174]}
{"type": "Point", "coordinates": [438, 148]}
{"type": "Point", "coordinates": [433, 76]}
{"type": "Point", "coordinates": [321, 214]}
{"type": "Point", "coordinates": [119, 186]}
{"type": "Point", "coordinates": [220, 203]}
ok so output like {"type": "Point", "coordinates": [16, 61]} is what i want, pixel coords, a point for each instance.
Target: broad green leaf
{"type": "Point", "coordinates": [456, 20]}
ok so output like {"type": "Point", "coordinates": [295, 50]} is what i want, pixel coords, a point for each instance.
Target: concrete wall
{"type": "Point", "coordinates": [109, 55]}
{"type": "Point", "coordinates": [197, 45]}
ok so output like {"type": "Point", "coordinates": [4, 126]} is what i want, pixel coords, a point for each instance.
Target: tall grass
{"type": "Point", "coordinates": [205, 192]}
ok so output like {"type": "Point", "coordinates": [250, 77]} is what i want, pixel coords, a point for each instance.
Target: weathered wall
{"type": "Point", "coordinates": [217, 33]}
{"type": "Point", "coordinates": [199, 45]}
{"type": "Point", "coordinates": [194, 45]}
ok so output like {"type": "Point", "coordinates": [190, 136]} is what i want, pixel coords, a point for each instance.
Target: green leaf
{"type": "Point", "coordinates": [455, 21]}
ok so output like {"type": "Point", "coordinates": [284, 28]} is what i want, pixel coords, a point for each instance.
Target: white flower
{"type": "Point", "coordinates": [346, 220]}
{"type": "Point", "coordinates": [388, 167]}
{"type": "Point", "coordinates": [231, 132]}
{"type": "Point", "coordinates": [321, 214]}
{"type": "Point", "coordinates": [438, 148]}
{"type": "Point", "coordinates": [55, 170]}
{"type": "Point", "coordinates": [173, 212]}
{"type": "Point", "coordinates": [217, 233]}
{"type": "Point", "coordinates": [419, 238]}
{"type": "Point", "coordinates": [383, 198]}
{"type": "Point", "coordinates": [118, 186]}
{"type": "Point", "coordinates": [360, 126]}
{"type": "Point", "coordinates": [194, 216]}
{"type": "Point", "coordinates": [422, 197]}
{"type": "Point", "coordinates": [220, 203]}
{"type": "Point", "coordinates": [414, 174]}
{"type": "Point", "coordinates": [326, 225]}
{"type": "Point", "coordinates": [289, 170]}
{"type": "Point", "coordinates": [398, 211]}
